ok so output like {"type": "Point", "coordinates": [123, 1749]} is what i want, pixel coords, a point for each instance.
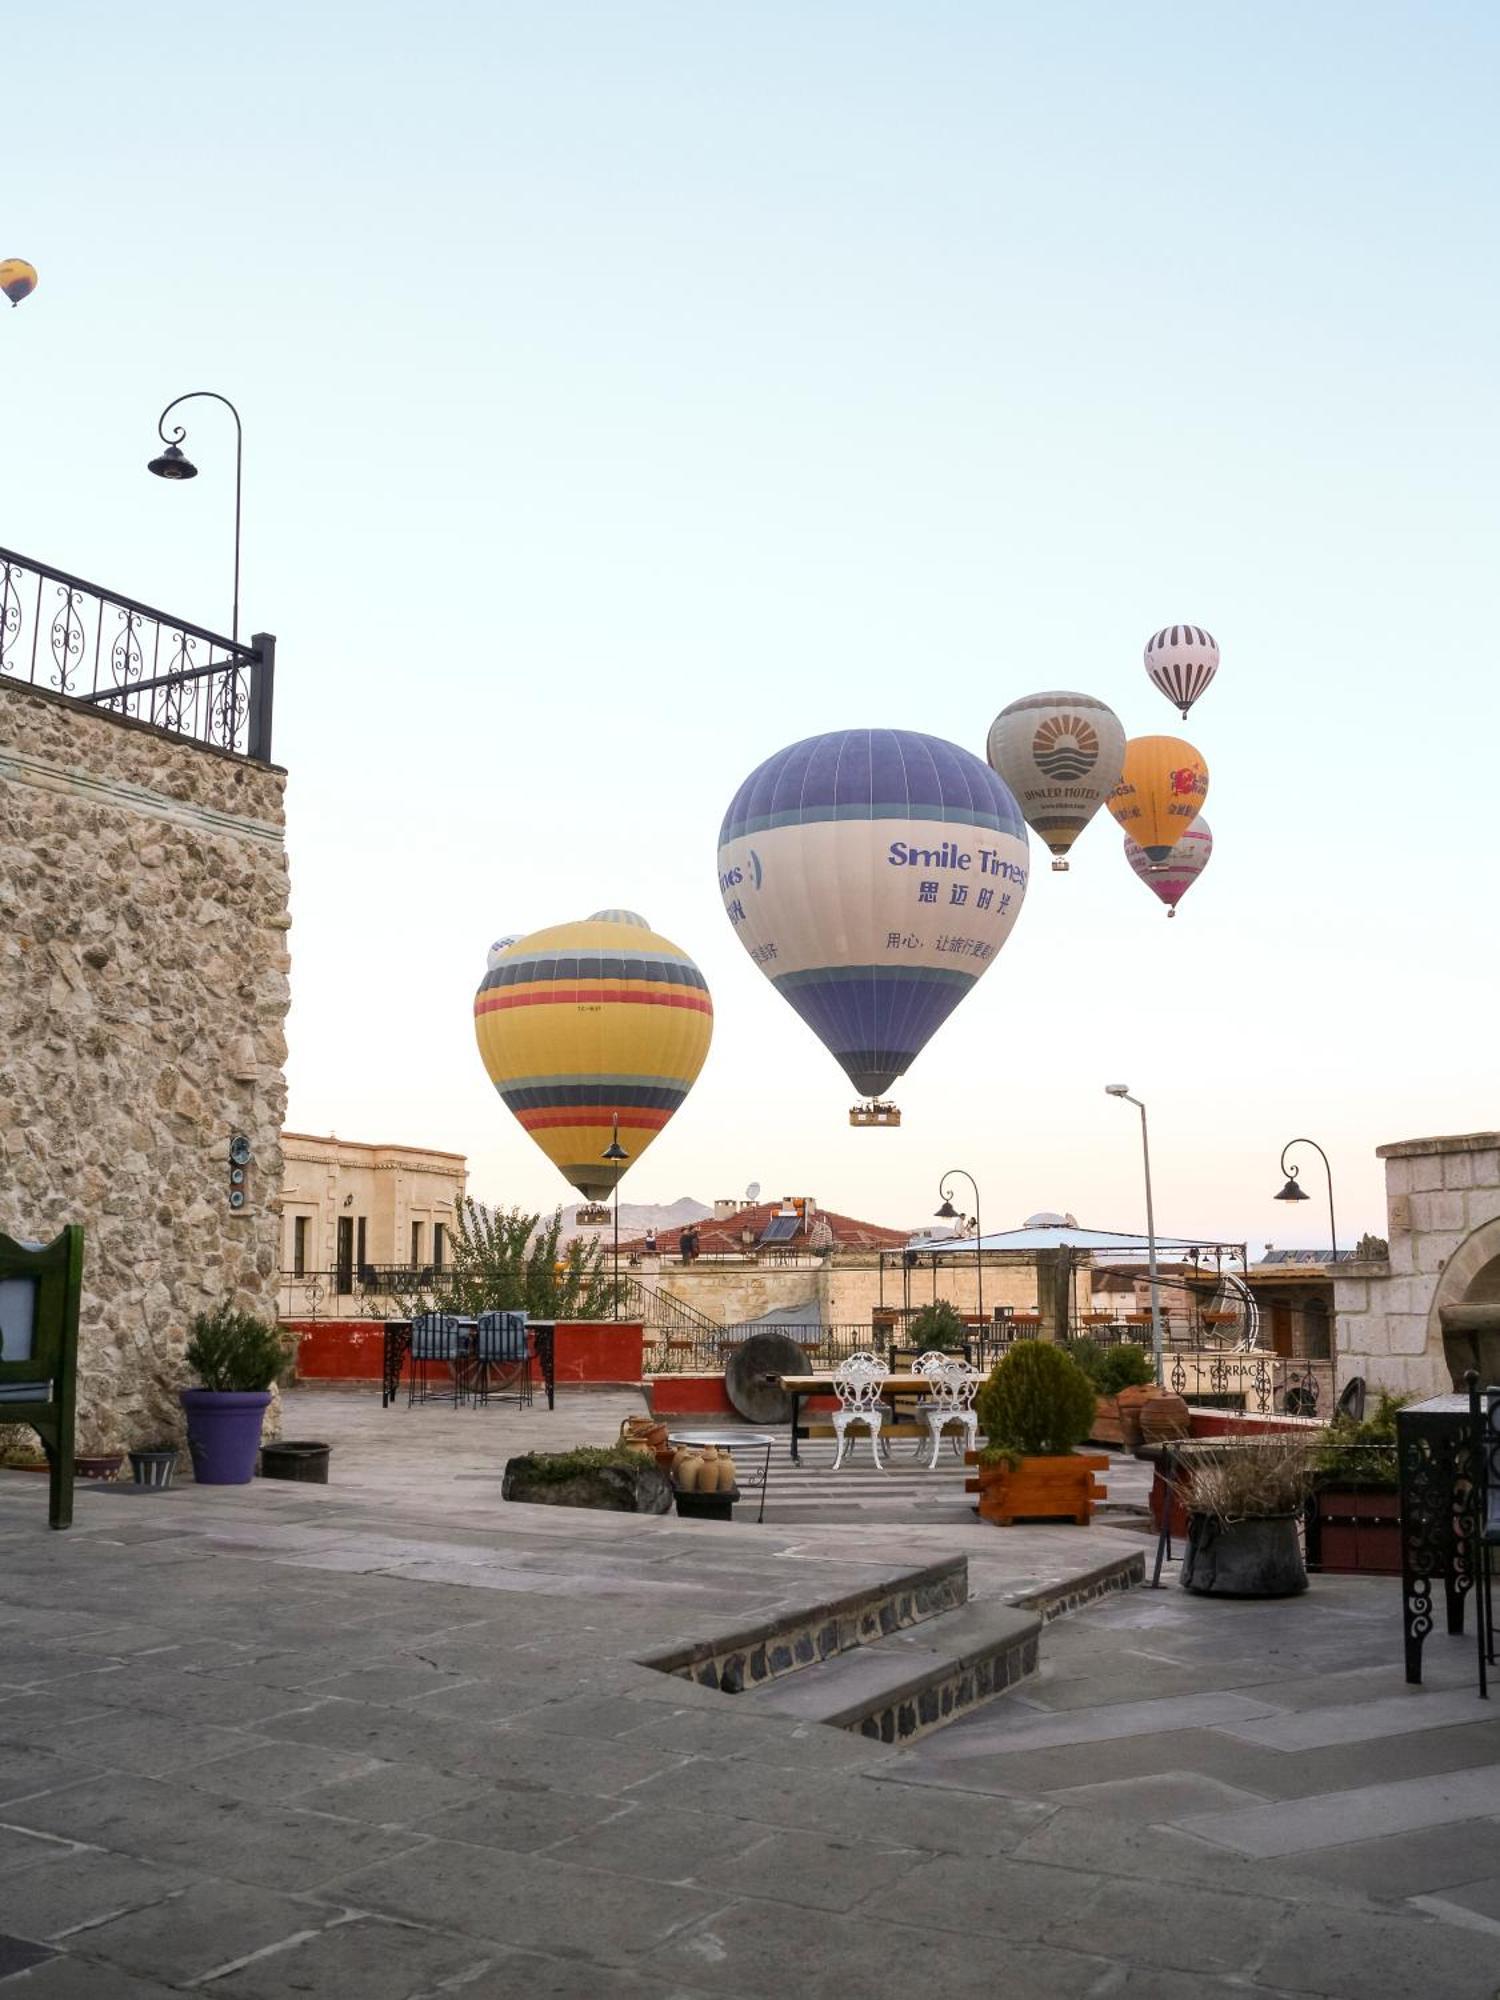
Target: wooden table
{"type": "Point", "coordinates": [800, 1387]}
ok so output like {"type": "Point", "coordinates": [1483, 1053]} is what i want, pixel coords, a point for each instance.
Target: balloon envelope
{"type": "Point", "coordinates": [1160, 793]}
{"type": "Point", "coordinates": [588, 1022]}
{"type": "Point", "coordinates": [1182, 660]}
{"type": "Point", "coordinates": [1061, 755]}
{"type": "Point", "coordinates": [17, 279]}
{"type": "Point", "coordinates": [1172, 878]}
{"type": "Point", "coordinates": [873, 875]}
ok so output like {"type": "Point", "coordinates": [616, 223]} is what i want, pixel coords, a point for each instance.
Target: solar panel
{"type": "Point", "coordinates": [780, 1229]}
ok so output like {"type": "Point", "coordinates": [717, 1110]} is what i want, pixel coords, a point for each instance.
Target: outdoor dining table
{"type": "Point", "coordinates": [801, 1387]}
{"type": "Point", "coordinates": [397, 1346]}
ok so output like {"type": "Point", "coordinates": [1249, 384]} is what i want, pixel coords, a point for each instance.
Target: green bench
{"type": "Point", "coordinates": [40, 1286]}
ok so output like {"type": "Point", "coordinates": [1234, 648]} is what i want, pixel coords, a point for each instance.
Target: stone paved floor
{"type": "Point", "coordinates": [387, 1739]}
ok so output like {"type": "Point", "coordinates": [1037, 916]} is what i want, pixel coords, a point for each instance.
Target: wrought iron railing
{"type": "Point", "coordinates": [79, 639]}
{"type": "Point", "coordinates": [364, 1292]}
{"type": "Point", "coordinates": [662, 1313]}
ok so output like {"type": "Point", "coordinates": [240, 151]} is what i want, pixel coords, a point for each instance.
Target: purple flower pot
{"type": "Point", "coordinates": [224, 1433]}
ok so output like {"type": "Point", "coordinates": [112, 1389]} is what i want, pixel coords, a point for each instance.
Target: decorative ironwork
{"type": "Point", "coordinates": [1439, 1528]}
{"type": "Point", "coordinates": [79, 639]}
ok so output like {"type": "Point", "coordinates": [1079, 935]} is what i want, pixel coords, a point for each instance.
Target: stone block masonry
{"type": "Point", "coordinates": [143, 996]}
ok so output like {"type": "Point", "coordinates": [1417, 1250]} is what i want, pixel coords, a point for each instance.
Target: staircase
{"type": "Point", "coordinates": [891, 1661]}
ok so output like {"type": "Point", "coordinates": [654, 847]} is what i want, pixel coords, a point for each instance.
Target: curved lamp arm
{"type": "Point", "coordinates": [1291, 1174]}
{"type": "Point", "coordinates": [943, 1195]}
{"type": "Point", "coordinates": [178, 434]}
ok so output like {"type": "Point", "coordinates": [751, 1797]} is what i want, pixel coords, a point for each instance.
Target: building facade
{"type": "Point", "coordinates": [353, 1212]}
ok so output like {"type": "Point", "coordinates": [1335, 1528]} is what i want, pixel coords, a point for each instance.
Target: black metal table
{"type": "Point", "coordinates": [1439, 1516]}
{"type": "Point", "coordinates": [397, 1346]}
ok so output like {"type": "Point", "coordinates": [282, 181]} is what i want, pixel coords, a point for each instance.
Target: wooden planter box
{"type": "Point", "coordinates": [1356, 1530]}
{"type": "Point", "coordinates": [1039, 1489]}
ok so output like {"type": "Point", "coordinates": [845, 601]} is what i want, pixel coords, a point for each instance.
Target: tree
{"type": "Point", "coordinates": [504, 1260]}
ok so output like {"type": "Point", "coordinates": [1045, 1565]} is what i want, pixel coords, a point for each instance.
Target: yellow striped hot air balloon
{"type": "Point", "coordinates": [586, 1023]}
{"type": "Point", "coordinates": [17, 279]}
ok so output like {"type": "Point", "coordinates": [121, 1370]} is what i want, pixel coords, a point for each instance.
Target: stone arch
{"type": "Point", "coordinates": [1472, 1272]}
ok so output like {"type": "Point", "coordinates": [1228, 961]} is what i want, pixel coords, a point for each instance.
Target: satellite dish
{"type": "Point", "coordinates": [752, 1193]}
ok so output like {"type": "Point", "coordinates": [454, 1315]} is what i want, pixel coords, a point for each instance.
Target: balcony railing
{"type": "Point", "coordinates": [79, 639]}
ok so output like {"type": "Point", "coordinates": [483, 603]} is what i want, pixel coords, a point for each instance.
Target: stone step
{"type": "Point", "coordinates": [804, 1636]}
{"type": "Point", "coordinates": [896, 1689]}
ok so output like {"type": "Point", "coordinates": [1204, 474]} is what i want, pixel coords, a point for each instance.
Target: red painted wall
{"type": "Point", "coordinates": [350, 1350]}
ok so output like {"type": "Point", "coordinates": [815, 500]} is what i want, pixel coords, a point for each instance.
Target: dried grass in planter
{"type": "Point", "coordinates": [1248, 1479]}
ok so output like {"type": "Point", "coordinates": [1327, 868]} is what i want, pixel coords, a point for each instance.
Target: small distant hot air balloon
{"type": "Point", "coordinates": [873, 875]}
{"type": "Point", "coordinates": [1182, 660]}
{"type": "Point", "coordinates": [17, 279]}
{"type": "Point", "coordinates": [1061, 755]}
{"type": "Point", "coordinates": [586, 1024]}
{"type": "Point", "coordinates": [1170, 880]}
{"type": "Point", "coordinates": [1160, 793]}
{"type": "Point", "coordinates": [498, 950]}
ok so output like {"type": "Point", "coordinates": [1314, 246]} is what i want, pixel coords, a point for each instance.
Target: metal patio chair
{"type": "Point", "coordinates": [857, 1384]}
{"type": "Point", "coordinates": [501, 1358]}
{"type": "Point", "coordinates": [950, 1402]}
{"type": "Point", "coordinates": [436, 1364]}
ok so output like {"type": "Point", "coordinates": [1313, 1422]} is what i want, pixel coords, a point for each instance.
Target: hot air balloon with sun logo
{"type": "Point", "coordinates": [1061, 755]}
{"type": "Point", "coordinates": [873, 875]}
{"type": "Point", "coordinates": [1161, 792]}
{"type": "Point", "coordinates": [1182, 660]}
{"type": "Point", "coordinates": [593, 1034]}
{"type": "Point", "coordinates": [1170, 880]}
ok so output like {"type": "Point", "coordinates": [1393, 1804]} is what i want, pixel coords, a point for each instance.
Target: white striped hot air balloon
{"type": "Point", "coordinates": [1182, 660]}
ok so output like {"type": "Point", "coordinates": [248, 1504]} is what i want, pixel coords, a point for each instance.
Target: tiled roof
{"type": "Point", "coordinates": [725, 1235]}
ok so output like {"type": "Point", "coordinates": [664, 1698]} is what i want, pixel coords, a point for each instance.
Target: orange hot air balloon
{"type": "Point", "coordinates": [17, 279]}
{"type": "Point", "coordinates": [1160, 794]}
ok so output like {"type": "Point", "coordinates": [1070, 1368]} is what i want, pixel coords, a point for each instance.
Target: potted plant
{"type": "Point", "coordinates": [94, 1456]}
{"type": "Point", "coordinates": [936, 1328]}
{"type": "Point", "coordinates": [236, 1358]}
{"type": "Point", "coordinates": [152, 1466]}
{"type": "Point", "coordinates": [1123, 1379]}
{"type": "Point", "coordinates": [1244, 1499]}
{"type": "Point", "coordinates": [1035, 1409]}
{"type": "Point", "coordinates": [1354, 1514]}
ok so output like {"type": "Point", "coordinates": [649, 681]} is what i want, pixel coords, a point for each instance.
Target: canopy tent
{"type": "Point", "coordinates": [1073, 1236]}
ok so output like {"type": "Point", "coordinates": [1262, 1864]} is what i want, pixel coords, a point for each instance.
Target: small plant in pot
{"type": "Point", "coordinates": [1354, 1516]}
{"type": "Point", "coordinates": [1035, 1409]}
{"type": "Point", "coordinates": [236, 1357]}
{"type": "Point", "coordinates": [1244, 1499]}
{"type": "Point", "coordinates": [936, 1328]}
{"type": "Point", "coordinates": [153, 1464]}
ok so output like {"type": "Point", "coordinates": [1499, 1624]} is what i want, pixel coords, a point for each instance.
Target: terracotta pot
{"type": "Point", "coordinates": [1106, 1427]}
{"type": "Point", "coordinates": [1164, 1416]}
{"type": "Point", "coordinates": [1129, 1404]}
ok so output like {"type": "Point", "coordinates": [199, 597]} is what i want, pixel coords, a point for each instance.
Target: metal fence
{"type": "Point", "coordinates": [370, 1291]}
{"type": "Point", "coordinates": [79, 639]}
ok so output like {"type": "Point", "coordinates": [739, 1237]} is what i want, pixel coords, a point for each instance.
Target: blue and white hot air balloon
{"type": "Point", "coordinates": [873, 875]}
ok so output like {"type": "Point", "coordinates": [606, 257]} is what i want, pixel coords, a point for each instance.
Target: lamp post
{"type": "Point", "coordinates": [948, 1213]}
{"type": "Point", "coordinates": [1123, 1090]}
{"type": "Point", "coordinates": [174, 463]}
{"type": "Point", "coordinates": [616, 1154]}
{"type": "Point", "coordinates": [1293, 1192]}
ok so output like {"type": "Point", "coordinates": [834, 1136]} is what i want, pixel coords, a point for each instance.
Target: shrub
{"type": "Point", "coordinates": [1037, 1403]}
{"type": "Point", "coordinates": [1114, 1365]}
{"type": "Point", "coordinates": [1362, 1453]}
{"type": "Point", "coordinates": [231, 1350]}
{"type": "Point", "coordinates": [551, 1468]}
{"type": "Point", "coordinates": [1249, 1479]}
{"type": "Point", "coordinates": [938, 1327]}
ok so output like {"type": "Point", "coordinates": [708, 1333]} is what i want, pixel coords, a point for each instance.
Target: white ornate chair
{"type": "Point", "coordinates": [952, 1387]}
{"type": "Point", "coordinates": [856, 1383]}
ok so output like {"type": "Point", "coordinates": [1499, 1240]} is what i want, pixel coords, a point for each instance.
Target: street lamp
{"type": "Point", "coordinates": [1292, 1192]}
{"type": "Point", "coordinates": [616, 1154]}
{"type": "Point", "coordinates": [173, 463]}
{"type": "Point", "coordinates": [948, 1213]}
{"type": "Point", "coordinates": [1123, 1090]}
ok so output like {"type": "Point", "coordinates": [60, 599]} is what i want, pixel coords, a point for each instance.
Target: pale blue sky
{"type": "Point", "coordinates": [630, 390]}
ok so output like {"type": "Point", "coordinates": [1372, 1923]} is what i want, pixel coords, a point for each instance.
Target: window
{"type": "Point", "coordinates": [439, 1245]}
{"type": "Point", "coordinates": [299, 1246]}
{"type": "Point", "coordinates": [345, 1278]}
{"type": "Point", "coordinates": [416, 1245]}
{"type": "Point", "coordinates": [361, 1263]}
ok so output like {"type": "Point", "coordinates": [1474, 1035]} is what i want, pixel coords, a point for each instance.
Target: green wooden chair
{"type": "Point", "coordinates": [40, 1287]}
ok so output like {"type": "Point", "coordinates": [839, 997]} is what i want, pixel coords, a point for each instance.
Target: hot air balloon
{"type": "Point", "coordinates": [498, 950]}
{"type": "Point", "coordinates": [1171, 879]}
{"type": "Point", "coordinates": [1061, 756]}
{"type": "Point", "coordinates": [586, 1024]}
{"type": "Point", "coordinates": [17, 279]}
{"type": "Point", "coordinates": [873, 875]}
{"type": "Point", "coordinates": [1182, 660]}
{"type": "Point", "coordinates": [1160, 793]}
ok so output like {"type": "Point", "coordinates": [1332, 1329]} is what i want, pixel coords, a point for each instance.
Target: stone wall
{"type": "Point", "coordinates": [844, 1288]}
{"type": "Point", "coordinates": [143, 939]}
{"type": "Point", "coordinates": [1443, 1208]}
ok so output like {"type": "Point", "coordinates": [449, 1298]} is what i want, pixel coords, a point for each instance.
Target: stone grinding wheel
{"type": "Point", "coordinates": [759, 1401]}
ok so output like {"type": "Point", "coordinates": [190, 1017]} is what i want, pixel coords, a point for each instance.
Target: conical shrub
{"type": "Point", "coordinates": [1037, 1402]}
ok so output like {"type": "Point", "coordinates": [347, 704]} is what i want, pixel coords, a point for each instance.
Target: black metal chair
{"type": "Point", "coordinates": [40, 1289]}
{"type": "Point", "coordinates": [435, 1371]}
{"type": "Point", "coordinates": [1484, 1417]}
{"type": "Point", "coordinates": [502, 1357]}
